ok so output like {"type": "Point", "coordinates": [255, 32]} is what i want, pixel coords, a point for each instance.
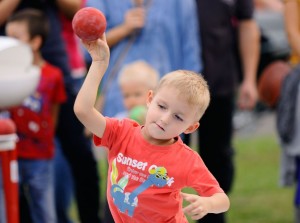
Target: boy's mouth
{"type": "Point", "coordinates": [160, 127]}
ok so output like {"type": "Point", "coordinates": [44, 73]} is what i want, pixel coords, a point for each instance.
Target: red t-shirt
{"type": "Point", "coordinates": [145, 180]}
{"type": "Point", "coordinates": [34, 119]}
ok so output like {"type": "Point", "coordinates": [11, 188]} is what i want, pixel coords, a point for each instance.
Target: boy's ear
{"type": "Point", "coordinates": [192, 128]}
{"type": "Point", "coordinates": [150, 97]}
{"type": "Point", "coordinates": [36, 43]}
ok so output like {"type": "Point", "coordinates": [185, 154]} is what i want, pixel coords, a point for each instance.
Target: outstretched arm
{"type": "Point", "coordinates": [84, 106]}
{"type": "Point", "coordinates": [201, 206]}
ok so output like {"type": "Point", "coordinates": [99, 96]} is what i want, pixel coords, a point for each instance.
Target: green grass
{"type": "Point", "coordinates": [256, 196]}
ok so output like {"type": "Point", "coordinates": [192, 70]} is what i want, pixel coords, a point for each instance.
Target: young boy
{"type": "Point", "coordinates": [135, 81]}
{"type": "Point", "coordinates": [36, 119]}
{"type": "Point", "coordinates": [149, 165]}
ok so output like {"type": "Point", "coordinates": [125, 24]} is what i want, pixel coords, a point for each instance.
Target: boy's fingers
{"type": "Point", "coordinates": [194, 212]}
{"type": "Point", "coordinates": [197, 216]}
{"type": "Point", "coordinates": [187, 209]}
{"type": "Point", "coordinates": [188, 197]}
{"type": "Point", "coordinates": [103, 37]}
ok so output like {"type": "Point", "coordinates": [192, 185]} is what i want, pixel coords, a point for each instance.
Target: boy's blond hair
{"type": "Point", "coordinates": [192, 87]}
{"type": "Point", "coordinates": [139, 71]}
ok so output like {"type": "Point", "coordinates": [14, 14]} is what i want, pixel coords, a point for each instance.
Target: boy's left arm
{"type": "Point", "coordinates": [199, 206]}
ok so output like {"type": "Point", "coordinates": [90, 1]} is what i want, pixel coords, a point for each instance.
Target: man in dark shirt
{"type": "Point", "coordinates": [230, 52]}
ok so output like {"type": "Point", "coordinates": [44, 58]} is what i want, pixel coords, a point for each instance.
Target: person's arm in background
{"type": "Point", "coordinates": [274, 5]}
{"type": "Point", "coordinates": [133, 19]}
{"type": "Point", "coordinates": [69, 7]}
{"type": "Point", "coordinates": [292, 24]}
{"type": "Point", "coordinates": [7, 7]}
{"type": "Point", "coordinates": [249, 45]}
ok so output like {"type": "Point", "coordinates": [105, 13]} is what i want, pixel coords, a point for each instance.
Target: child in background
{"type": "Point", "coordinates": [135, 81]}
{"type": "Point", "coordinates": [144, 179]}
{"type": "Point", "coordinates": [36, 119]}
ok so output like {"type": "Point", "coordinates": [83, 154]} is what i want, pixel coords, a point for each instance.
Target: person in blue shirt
{"type": "Point", "coordinates": [163, 33]}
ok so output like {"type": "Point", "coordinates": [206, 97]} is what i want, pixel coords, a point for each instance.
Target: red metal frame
{"type": "Point", "coordinates": [9, 166]}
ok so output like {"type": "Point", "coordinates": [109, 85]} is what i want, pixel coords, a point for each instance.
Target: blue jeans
{"type": "Point", "coordinates": [36, 181]}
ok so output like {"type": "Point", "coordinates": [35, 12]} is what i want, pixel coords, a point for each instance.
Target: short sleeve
{"type": "Point", "coordinates": [201, 179]}
{"type": "Point", "coordinates": [244, 9]}
{"type": "Point", "coordinates": [115, 132]}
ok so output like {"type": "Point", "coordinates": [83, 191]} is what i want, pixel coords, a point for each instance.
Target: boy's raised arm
{"type": "Point", "coordinates": [84, 108]}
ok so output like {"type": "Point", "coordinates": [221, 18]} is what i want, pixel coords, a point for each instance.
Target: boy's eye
{"type": "Point", "coordinates": [161, 106]}
{"type": "Point", "coordinates": [137, 94]}
{"type": "Point", "coordinates": [178, 118]}
{"type": "Point", "coordinates": [126, 95]}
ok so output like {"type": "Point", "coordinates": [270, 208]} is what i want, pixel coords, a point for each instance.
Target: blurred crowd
{"type": "Point", "coordinates": [229, 42]}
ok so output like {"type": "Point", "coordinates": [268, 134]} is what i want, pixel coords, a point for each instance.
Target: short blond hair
{"type": "Point", "coordinates": [139, 71]}
{"type": "Point", "coordinates": [192, 87]}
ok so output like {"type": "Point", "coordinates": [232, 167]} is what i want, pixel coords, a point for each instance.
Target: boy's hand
{"type": "Point", "coordinates": [98, 49]}
{"type": "Point", "coordinates": [198, 207]}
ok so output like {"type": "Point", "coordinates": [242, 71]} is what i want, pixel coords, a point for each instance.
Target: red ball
{"type": "Point", "coordinates": [7, 126]}
{"type": "Point", "coordinates": [89, 23]}
{"type": "Point", "coordinates": [270, 82]}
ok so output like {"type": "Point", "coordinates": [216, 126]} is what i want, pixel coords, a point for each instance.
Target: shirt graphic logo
{"type": "Point", "coordinates": [128, 201]}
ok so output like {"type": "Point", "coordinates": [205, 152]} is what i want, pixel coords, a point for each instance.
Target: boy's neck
{"type": "Point", "coordinates": [38, 60]}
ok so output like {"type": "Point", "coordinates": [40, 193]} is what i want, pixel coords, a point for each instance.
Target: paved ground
{"type": "Point", "coordinates": [249, 124]}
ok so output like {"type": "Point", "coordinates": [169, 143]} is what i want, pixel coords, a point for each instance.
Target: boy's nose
{"type": "Point", "coordinates": [165, 118]}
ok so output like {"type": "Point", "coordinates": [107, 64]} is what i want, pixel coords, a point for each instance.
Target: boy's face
{"type": "Point", "coordinates": [18, 30]}
{"type": "Point", "coordinates": [134, 94]}
{"type": "Point", "coordinates": [169, 115]}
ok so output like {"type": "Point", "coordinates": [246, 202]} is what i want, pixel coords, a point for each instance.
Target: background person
{"type": "Point", "coordinates": [230, 52]}
{"type": "Point", "coordinates": [36, 119]}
